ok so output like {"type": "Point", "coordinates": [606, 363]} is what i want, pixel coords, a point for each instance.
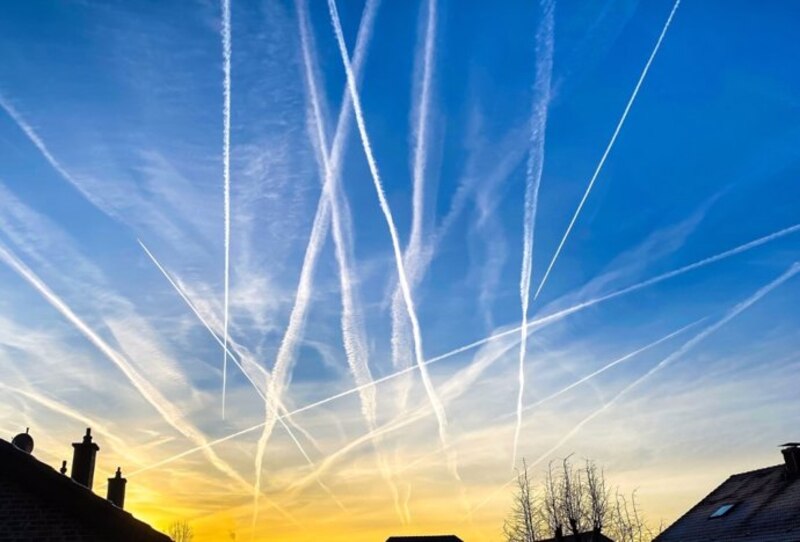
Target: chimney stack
{"type": "Point", "coordinates": [83, 459]}
{"type": "Point", "coordinates": [791, 455]}
{"type": "Point", "coordinates": [116, 489]}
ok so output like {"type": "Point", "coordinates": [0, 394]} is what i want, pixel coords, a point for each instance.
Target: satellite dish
{"type": "Point", "coordinates": [24, 441]}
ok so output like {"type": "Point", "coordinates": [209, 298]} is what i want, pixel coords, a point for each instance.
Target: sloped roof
{"type": "Point", "coordinates": [425, 538]}
{"type": "Point", "coordinates": [39, 503]}
{"type": "Point", "coordinates": [766, 508]}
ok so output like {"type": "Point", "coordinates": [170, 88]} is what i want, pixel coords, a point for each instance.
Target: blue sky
{"type": "Point", "coordinates": [111, 131]}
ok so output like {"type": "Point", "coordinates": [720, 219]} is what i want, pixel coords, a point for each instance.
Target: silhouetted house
{"type": "Point", "coordinates": [425, 538]}
{"type": "Point", "coordinates": [583, 537]}
{"type": "Point", "coordinates": [40, 503]}
{"type": "Point", "coordinates": [757, 506]}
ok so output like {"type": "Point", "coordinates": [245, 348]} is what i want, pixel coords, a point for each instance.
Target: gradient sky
{"type": "Point", "coordinates": [111, 140]}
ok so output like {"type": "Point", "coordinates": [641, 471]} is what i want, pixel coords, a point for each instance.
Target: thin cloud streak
{"type": "Point", "coordinates": [398, 256]}
{"type": "Point", "coordinates": [539, 321]}
{"type": "Point", "coordinates": [226, 160]}
{"type": "Point", "coordinates": [414, 258]}
{"type": "Point", "coordinates": [34, 138]}
{"type": "Point", "coordinates": [610, 145]}
{"type": "Point", "coordinates": [533, 179]}
{"type": "Point", "coordinates": [233, 356]}
{"type": "Point", "coordinates": [161, 404]}
{"type": "Point", "coordinates": [287, 350]}
{"type": "Point", "coordinates": [353, 333]}
{"type": "Point", "coordinates": [682, 350]}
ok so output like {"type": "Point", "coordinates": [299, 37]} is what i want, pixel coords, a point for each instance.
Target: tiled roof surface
{"type": "Point", "coordinates": [766, 509]}
{"type": "Point", "coordinates": [39, 503]}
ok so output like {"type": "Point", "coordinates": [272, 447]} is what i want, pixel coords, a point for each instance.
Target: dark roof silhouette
{"type": "Point", "coordinates": [583, 537]}
{"type": "Point", "coordinates": [425, 538]}
{"type": "Point", "coordinates": [39, 503]}
{"type": "Point", "coordinates": [765, 508]}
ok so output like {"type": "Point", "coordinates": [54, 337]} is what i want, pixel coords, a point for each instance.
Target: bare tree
{"type": "Point", "coordinates": [598, 509]}
{"type": "Point", "coordinates": [573, 497]}
{"type": "Point", "coordinates": [523, 523]}
{"type": "Point", "coordinates": [628, 522]}
{"type": "Point", "coordinates": [180, 531]}
{"type": "Point", "coordinates": [574, 500]}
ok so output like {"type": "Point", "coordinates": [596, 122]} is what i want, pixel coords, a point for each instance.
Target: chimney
{"type": "Point", "coordinates": [791, 455]}
{"type": "Point", "coordinates": [83, 458]}
{"type": "Point", "coordinates": [116, 489]}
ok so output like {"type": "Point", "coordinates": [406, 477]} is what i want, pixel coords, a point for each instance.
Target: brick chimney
{"type": "Point", "coordinates": [116, 489]}
{"type": "Point", "coordinates": [791, 455]}
{"type": "Point", "coordinates": [83, 457]}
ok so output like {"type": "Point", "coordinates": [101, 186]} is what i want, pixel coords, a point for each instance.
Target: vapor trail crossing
{"type": "Point", "coordinates": [682, 350]}
{"type": "Point", "coordinates": [285, 358]}
{"type": "Point", "coordinates": [398, 256]}
{"type": "Point", "coordinates": [555, 316]}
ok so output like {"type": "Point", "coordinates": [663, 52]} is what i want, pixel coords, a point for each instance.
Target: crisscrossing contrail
{"type": "Point", "coordinates": [398, 255]}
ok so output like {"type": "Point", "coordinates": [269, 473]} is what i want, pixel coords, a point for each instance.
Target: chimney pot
{"type": "Point", "coordinates": [791, 455]}
{"type": "Point", "coordinates": [116, 489]}
{"type": "Point", "coordinates": [83, 459]}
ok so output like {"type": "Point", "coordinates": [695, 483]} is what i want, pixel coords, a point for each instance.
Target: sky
{"type": "Point", "coordinates": [455, 235]}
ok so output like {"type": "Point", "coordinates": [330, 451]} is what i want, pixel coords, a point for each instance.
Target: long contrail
{"type": "Point", "coordinates": [34, 138]}
{"type": "Point", "coordinates": [352, 327]}
{"type": "Point", "coordinates": [592, 375]}
{"type": "Point", "coordinates": [611, 365]}
{"type": "Point", "coordinates": [164, 407]}
{"type": "Point", "coordinates": [278, 403]}
{"type": "Point", "coordinates": [682, 350]}
{"type": "Point", "coordinates": [415, 258]}
{"type": "Point", "coordinates": [287, 350]}
{"type": "Point", "coordinates": [609, 146]}
{"type": "Point", "coordinates": [456, 386]}
{"type": "Point", "coordinates": [540, 321]}
{"type": "Point", "coordinates": [398, 256]}
{"type": "Point", "coordinates": [533, 179]}
{"type": "Point", "coordinates": [353, 333]}
{"type": "Point", "coordinates": [232, 355]}
{"type": "Point", "coordinates": [226, 179]}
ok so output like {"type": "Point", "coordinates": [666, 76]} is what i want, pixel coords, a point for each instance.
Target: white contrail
{"type": "Point", "coordinates": [533, 179]}
{"type": "Point", "coordinates": [611, 365]}
{"type": "Point", "coordinates": [538, 322]}
{"type": "Point", "coordinates": [292, 335]}
{"type": "Point", "coordinates": [353, 333]}
{"type": "Point", "coordinates": [686, 347]}
{"type": "Point", "coordinates": [69, 412]}
{"type": "Point", "coordinates": [28, 130]}
{"type": "Point", "coordinates": [164, 407]}
{"type": "Point", "coordinates": [413, 258]}
{"type": "Point", "coordinates": [609, 146]}
{"type": "Point", "coordinates": [398, 256]}
{"type": "Point", "coordinates": [232, 355]}
{"type": "Point", "coordinates": [352, 327]}
{"type": "Point", "coordinates": [278, 403]}
{"type": "Point", "coordinates": [453, 388]}
{"type": "Point", "coordinates": [226, 177]}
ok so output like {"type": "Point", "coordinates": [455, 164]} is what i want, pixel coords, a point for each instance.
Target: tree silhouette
{"type": "Point", "coordinates": [574, 500]}
{"type": "Point", "coordinates": [180, 531]}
